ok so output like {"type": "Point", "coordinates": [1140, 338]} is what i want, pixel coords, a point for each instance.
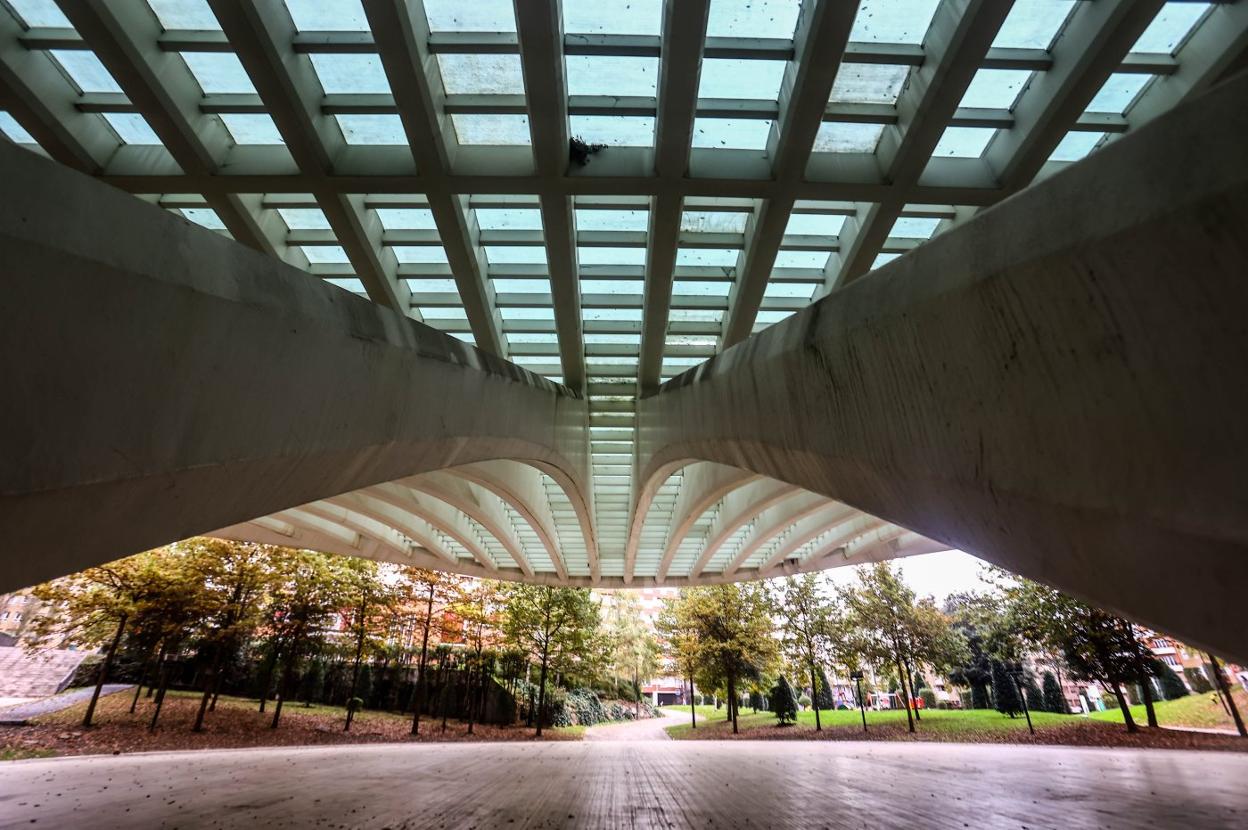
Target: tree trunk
{"type": "Point", "coordinates": [693, 709]}
{"type": "Point", "coordinates": [541, 694]}
{"type": "Point", "coordinates": [424, 663]}
{"type": "Point", "coordinates": [210, 682]}
{"type": "Point", "coordinates": [103, 675]}
{"type": "Point", "coordinates": [470, 694]}
{"type": "Point", "coordinates": [1146, 683]}
{"type": "Point", "coordinates": [637, 691]}
{"type": "Point", "coordinates": [143, 677]}
{"type": "Point", "coordinates": [355, 670]}
{"type": "Point", "coordinates": [1126, 709]}
{"type": "Point", "coordinates": [901, 678]}
{"type": "Point", "coordinates": [267, 682]}
{"type": "Point", "coordinates": [1226, 693]}
{"type": "Point", "coordinates": [732, 702]}
{"type": "Point", "coordinates": [913, 698]}
{"type": "Point", "coordinates": [814, 698]}
{"type": "Point", "coordinates": [283, 687]}
{"type": "Point", "coordinates": [160, 692]}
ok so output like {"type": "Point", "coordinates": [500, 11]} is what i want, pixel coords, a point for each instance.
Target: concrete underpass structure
{"type": "Point", "coordinates": [887, 310]}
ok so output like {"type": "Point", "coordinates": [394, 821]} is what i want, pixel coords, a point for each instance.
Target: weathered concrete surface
{"type": "Point", "coordinates": [610, 785]}
{"type": "Point", "coordinates": [161, 381]}
{"type": "Point", "coordinates": [1057, 386]}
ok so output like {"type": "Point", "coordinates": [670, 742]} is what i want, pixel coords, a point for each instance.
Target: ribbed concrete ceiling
{"type": "Point", "coordinates": [755, 155]}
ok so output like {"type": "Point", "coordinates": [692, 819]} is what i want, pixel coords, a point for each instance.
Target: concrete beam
{"type": "Point", "coordinates": [1055, 386]}
{"type": "Point", "coordinates": [172, 382]}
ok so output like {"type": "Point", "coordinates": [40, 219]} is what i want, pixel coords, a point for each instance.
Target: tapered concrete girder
{"type": "Point", "coordinates": [172, 381]}
{"type": "Point", "coordinates": [738, 509]}
{"type": "Point", "coordinates": [702, 487]}
{"type": "Point", "coordinates": [1055, 386]}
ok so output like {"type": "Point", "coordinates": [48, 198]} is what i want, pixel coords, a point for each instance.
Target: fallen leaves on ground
{"type": "Point", "coordinates": [235, 723]}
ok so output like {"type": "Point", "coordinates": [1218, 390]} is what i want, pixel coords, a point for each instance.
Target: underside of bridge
{"type": "Point", "coordinates": [845, 282]}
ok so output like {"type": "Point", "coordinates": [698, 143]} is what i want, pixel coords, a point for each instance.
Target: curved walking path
{"type": "Point", "coordinates": [707, 784]}
{"type": "Point", "coordinates": [22, 712]}
{"type": "Point", "coordinates": [649, 729]}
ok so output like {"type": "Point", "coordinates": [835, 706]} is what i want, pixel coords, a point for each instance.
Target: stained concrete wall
{"type": "Point", "coordinates": [1058, 386]}
{"type": "Point", "coordinates": [160, 380]}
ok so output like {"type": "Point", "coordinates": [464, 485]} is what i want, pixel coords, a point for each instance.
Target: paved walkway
{"type": "Point", "coordinates": [25, 711]}
{"type": "Point", "coordinates": [649, 729]}
{"type": "Point", "coordinates": [672, 784]}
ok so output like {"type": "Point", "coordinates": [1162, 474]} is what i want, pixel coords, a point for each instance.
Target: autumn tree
{"type": "Point", "coordinates": [478, 608]}
{"type": "Point", "coordinates": [309, 589]}
{"type": "Point", "coordinates": [806, 616]}
{"type": "Point", "coordinates": [679, 634]}
{"type": "Point", "coordinates": [881, 608]}
{"type": "Point", "coordinates": [552, 625]}
{"type": "Point", "coordinates": [633, 648]}
{"type": "Point", "coordinates": [431, 589]}
{"type": "Point", "coordinates": [734, 631]}
{"type": "Point", "coordinates": [368, 609]}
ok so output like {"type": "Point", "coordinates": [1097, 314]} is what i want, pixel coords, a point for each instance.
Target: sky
{"type": "Point", "coordinates": [937, 574]}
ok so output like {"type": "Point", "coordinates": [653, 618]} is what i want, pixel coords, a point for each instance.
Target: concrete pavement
{"type": "Point", "coordinates": [634, 784]}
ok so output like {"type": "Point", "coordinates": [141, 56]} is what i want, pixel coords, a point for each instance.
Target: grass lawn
{"type": "Point", "coordinates": [1200, 711]}
{"type": "Point", "coordinates": [971, 726]}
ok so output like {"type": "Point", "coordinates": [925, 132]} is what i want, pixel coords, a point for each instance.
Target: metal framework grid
{"type": "Point", "coordinates": [757, 154]}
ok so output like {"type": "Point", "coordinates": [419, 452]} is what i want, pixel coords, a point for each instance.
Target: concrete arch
{"type": "Point", "coordinates": [836, 516]}
{"type": "Point", "coordinates": [738, 509]}
{"type": "Point", "coordinates": [1000, 388]}
{"type": "Point", "coordinates": [705, 485]}
{"type": "Point", "coordinates": [349, 394]}
{"type": "Point", "coordinates": [774, 521]}
{"type": "Point", "coordinates": [479, 505]}
{"type": "Point", "coordinates": [520, 487]}
{"type": "Point", "coordinates": [355, 512]}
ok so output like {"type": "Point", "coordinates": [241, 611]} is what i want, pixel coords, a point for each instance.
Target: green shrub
{"type": "Point", "coordinates": [1172, 687]}
{"type": "Point", "coordinates": [784, 702]}
{"type": "Point", "coordinates": [1198, 680]}
{"type": "Point", "coordinates": [1054, 700]}
{"type": "Point", "coordinates": [804, 701]}
{"type": "Point", "coordinates": [929, 698]}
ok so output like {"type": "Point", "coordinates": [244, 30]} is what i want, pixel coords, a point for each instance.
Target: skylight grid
{"type": "Point", "coordinates": [758, 18]}
{"type": "Point", "coordinates": [40, 13]}
{"type": "Point", "coordinates": [634, 17]}
{"type": "Point", "coordinates": [346, 74]}
{"type": "Point", "coordinates": [14, 131]}
{"type": "Point", "coordinates": [328, 15]}
{"type": "Point", "coordinates": [475, 16]}
{"type": "Point", "coordinates": [745, 79]}
{"type": "Point", "coordinates": [868, 83]}
{"type": "Point", "coordinates": [617, 75]}
{"type": "Point", "coordinates": [471, 74]}
{"type": "Point", "coordinates": [184, 14]}
{"type": "Point", "coordinates": [218, 73]}
{"type": "Point", "coordinates": [893, 21]}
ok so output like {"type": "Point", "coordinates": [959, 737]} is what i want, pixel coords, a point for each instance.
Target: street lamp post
{"type": "Point", "coordinates": [862, 706]}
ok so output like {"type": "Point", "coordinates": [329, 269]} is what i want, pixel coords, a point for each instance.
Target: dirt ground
{"type": "Point", "coordinates": [236, 723]}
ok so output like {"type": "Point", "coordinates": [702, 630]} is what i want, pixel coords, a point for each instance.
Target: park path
{"type": "Point", "coordinates": [650, 729]}
{"type": "Point", "coordinates": [22, 712]}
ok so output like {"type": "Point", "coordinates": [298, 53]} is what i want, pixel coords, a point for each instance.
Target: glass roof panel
{"type": "Point", "coordinates": [714, 257]}
{"type": "Point", "coordinates": [592, 286]}
{"type": "Point", "coordinates": [218, 72]}
{"type": "Point", "coordinates": [751, 79]}
{"type": "Point", "coordinates": [85, 70]}
{"type": "Point", "coordinates": [304, 219]}
{"type": "Point", "coordinates": [1033, 24]}
{"type": "Point", "coordinates": [346, 74]}
{"type": "Point", "coordinates": [801, 259]}
{"type": "Point", "coordinates": [1119, 92]}
{"type": "Point", "coordinates": [324, 254]}
{"type": "Point", "coordinates": [893, 21]}
{"type": "Point", "coordinates": [420, 254]}
{"type": "Point", "coordinates": [713, 221]}
{"type": "Point", "coordinates": [801, 290]}
{"type": "Point", "coordinates": [481, 74]}
{"type": "Point", "coordinates": [492, 129]}
{"type": "Point", "coordinates": [432, 286]}
{"type": "Point", "coordinates": [614, 130]}
{"type": "Point", "coordinates": [868, 83]}
{"type": "Point", "coordinates": [475, 16]}
{"type": "Point", "coordinates": [376, 128]}
{"type": "Point", "coordinates": [521, 286]}
{"type": "Point", "coordinates": [204, 217]}
{"type": "Point", "coordinates": [131, 128]}
{"type": "Point", "coordinates": [1170, 28]}
{"type": "Point", "coordinates": [731, 133]}
{"type": "Point", "coordinates": [251, 128]}
{"type": "Point", "coordinates": [753, 18]}
{"type": "Point", "coordinates": [14, 131]}
{"type": "Point", "coordinates": [883, 259]}
{"type": "Point", "coordinates": [184, 14]}
{"type": "Point", "coordinates": [963, 142]}
{"type": "Point", "coordinates": [1076, 145]}
{"type": "Point", "coordinates": [328, 15]}
{"type": "Point", "coordinates": [914, 227]}
{"type": "Point", "coordinates": [509, 219]}
{"type": "Point", "coordinates": [612, 75]}
{"type": "Point", "coordinates": [40, 13]}
{"type": "Point", "coordinates": [612, 220]}
{"type": "Point", "coordinates": [835, 137]}
{"type": "Point", "coordinates": [611, 256]}
{"type": "Point", "coordinates": [814, 224]}
{"type": "Point", "coordinates": [419, 219]}
{"type": "Point", "coordinates": [515, 254]}
{"type": "Point", "coordinates": [634, 17]}
{"type": "Point", "coordinates": [702, 288]}
{"type": "Point", "coordinates": [996, 88]}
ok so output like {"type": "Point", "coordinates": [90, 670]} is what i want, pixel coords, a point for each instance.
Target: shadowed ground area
{"type": "Point", "coordinates": [642, 784]}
